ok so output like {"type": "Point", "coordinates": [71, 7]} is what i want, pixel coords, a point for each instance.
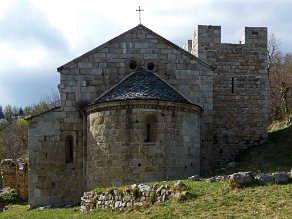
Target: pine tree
{"type": "Point", "coordinates": [1, 112]}
{"type": "Point", "coordinates": [20, 113]}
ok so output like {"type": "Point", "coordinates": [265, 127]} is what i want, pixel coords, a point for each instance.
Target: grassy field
{"type": "Point", "coordinates": [274, 155]}
{"type": "Point", "coordinates": [211, 200]}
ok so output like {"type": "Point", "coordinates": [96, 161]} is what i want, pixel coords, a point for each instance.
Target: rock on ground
{"type": "Point", "coordinates": [194, 178]}
{"type": "Point", "coordinates": [281, 177]}
{"type": "Point", "coordinates": [264, 178]}
{"type": "Point", "coordinates": [243, 178]}
{"type": "Point", "coordinates": [178, 185]}
{"type": "Point", "coordinates": [212, 179]}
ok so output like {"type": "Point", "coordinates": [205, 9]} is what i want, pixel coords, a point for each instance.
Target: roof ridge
{"type": "Point", "coordinates": [96, 48]}
{"type": "Point", "coordinates": [59, 69]}
{"type": "Point", "coordinates": [39, 114]}
{"type": "Point", "coordinates": [190, 55]}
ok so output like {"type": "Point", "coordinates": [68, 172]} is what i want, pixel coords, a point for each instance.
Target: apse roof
{"type": "Point", "coordinates": [142, 85]}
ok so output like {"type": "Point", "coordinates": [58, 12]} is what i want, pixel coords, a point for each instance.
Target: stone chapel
{"type": "Point", "coordinates": [139, 108]}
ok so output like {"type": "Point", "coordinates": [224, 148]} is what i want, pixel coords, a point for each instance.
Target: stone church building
{"type": "Point", "coordinates": [139, 108]}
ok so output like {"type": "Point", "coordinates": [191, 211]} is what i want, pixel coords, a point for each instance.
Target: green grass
{"type": "Point", "coordinates": [210, 200]}
{"type": "Point", "coordinates": [274, 155]}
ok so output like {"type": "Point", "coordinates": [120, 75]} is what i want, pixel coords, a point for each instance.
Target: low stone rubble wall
{"type": "Point", "coordinates": [249, 178]}
{"type": "Point", "coordinates": [136, 195]}
{"type": "Point", "coordinates": [15, 175]}
{"type": "Point", "coordinates": [143, 194]}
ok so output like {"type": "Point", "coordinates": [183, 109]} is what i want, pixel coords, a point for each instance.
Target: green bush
{"type": "Point", "coordinates": [153, 197]}
{"type": "Point", "coordinates": [136, 193]}
{"type": "Point", "coordinates": [21, 122]}
{"type": "Point", "coordinates": [9, 196]}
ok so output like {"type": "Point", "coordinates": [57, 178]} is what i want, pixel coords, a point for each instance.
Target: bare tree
{"type": "Point", "coordinates": [286, 83]}
{"type": "Point", "coordinates": [53, 100]}
{"type": "Point", "coordinates": [274, 53]}
{"type": "Point", "coordinates": [47, 103]}
{"type": "Point", "coordinates": [14, 140]}
{"type": "Point", "coordinates": [280, 79]}
{"type": "Point", "coordinates": [8, 112]}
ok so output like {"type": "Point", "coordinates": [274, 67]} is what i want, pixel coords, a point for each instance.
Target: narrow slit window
{"type": "Point", "coordinates": [148, 127]}
{"type": "Point", "coordinates": [69, 145]}
{"type": "Point", "coordinates": [232, 85]}
{"type": "Point", "coordinates": [150, 122]}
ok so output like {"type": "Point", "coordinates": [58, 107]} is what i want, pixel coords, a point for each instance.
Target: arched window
{"type": "Point", "coordinates": [150, 124]}
{"type": "Point", "coordinates": [69, 145]}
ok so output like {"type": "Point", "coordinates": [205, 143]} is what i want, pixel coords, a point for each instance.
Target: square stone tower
{"type": "Point", "coordinates": [240, 88]}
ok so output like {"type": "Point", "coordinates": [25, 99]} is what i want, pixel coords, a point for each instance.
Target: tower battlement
{"type": "Point", "coordinates": [240, 88]}
{"type": "Point", "coordinates": [207, 38]}
{"type": "Point", "coordinates": [255, 37]}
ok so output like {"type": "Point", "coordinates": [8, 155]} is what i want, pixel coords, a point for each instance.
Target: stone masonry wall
{"type": "Point", "coordinates": [52, 181]}
{"type": "Point", "coordinates": [240, 88]}
{"type": "Point", "coordinates": [87, 77]}
{"type": "Point", "coordinates": [118, 154]}
{"type": "Point", "coordinates": [14, 175]}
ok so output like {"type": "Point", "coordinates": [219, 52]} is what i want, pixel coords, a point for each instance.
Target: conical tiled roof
{"type": "Point", "coordinates": [142, 85]}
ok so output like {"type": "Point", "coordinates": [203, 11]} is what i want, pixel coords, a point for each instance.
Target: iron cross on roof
{"type": "Point", "coordinates": [139, 13]}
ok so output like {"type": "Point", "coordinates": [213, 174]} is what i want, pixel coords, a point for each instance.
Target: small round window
{"type": "Point", "coordinates": [132, 64]}
{"type": "Point", "coordinates": [150, 66]}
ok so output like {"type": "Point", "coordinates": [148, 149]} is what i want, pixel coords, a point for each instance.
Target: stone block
{"type": "Point", "coordinates": [72, 120]}
{"type": "Point", "coordinates": [84, 65]}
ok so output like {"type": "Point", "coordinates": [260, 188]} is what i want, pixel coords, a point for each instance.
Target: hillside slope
{"type": "Point", "coordinates": [274, 155]}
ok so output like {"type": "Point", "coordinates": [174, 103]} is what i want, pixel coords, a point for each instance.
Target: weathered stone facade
{"type": "Point", "coordinates": [147, 134]}
{"type": "Point", "coordinates": [119, 155]}
{"type": "Point", "coordinates": [240, 88]}
{"type": "Point", "coordinates": [51, 179]}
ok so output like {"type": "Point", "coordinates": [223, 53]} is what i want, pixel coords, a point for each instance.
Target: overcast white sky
{"type": "Point", "coordinates": [37, 36]}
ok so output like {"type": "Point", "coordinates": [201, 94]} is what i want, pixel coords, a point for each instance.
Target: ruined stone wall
{"type": "Point", "coordinates": [14, 175]}
{"type": "Point", "coordinates": [52, 181]}
{"type": "Point", "coordinates": [240, 88]}
{"type": "Point", "coordinates": [117, 153]}
{"type": "Point", "coordinates": [136, 195]}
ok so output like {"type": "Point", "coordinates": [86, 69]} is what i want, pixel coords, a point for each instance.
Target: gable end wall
{"type": "Point", "coordinates": [87, 78]}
